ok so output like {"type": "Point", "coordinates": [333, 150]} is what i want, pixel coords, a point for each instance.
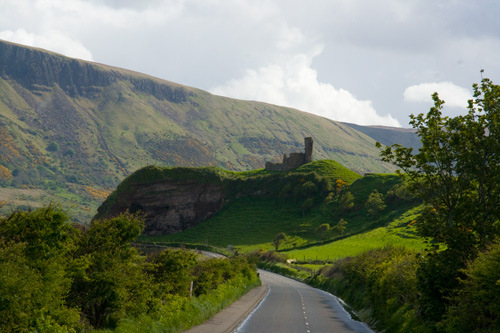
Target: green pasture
{"type": "Point", "coordinates": [250, 223]}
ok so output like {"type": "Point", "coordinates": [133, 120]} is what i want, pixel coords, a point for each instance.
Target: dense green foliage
{"type": "Point", "coordinates": [380, 284]}
{"type": "Point", "coordinates": [55, 277]}
{"type": "Point", "coordinates": [457, 175]}
{"type": "Point", "coordinates": [476, 306]}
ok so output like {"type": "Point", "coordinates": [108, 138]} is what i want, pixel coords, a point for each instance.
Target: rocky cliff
{"type": "Point", "coordinates": [32, 68]}
{"type": "Point", "coordinates": [170, 205]}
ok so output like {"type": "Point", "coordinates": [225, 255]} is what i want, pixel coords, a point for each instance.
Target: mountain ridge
{"type": "Point", "coordinates": [68, 123]}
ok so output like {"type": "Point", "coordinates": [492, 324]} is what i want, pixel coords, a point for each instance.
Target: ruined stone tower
{"type": "Point", "coordinates": [308, 142]}
{"type": "Point", "coordinates": [295, 159]}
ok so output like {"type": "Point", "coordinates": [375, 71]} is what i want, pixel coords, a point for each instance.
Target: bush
{"type": "Point", "coordinates": [375, 203]}
{"type": "Point", "coordinates": [476, 306]}
{"type": "Point", "coordinates": [53, 146]}
{"type": "Point", "coordinates": [381, 283]}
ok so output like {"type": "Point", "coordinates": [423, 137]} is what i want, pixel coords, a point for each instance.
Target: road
{"type": "Point", "coordinates": [291, 306]}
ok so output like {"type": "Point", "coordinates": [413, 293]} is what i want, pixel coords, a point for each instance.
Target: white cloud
{"type": "Point", "coordinates": [295, 84]}
{"type": "Point", "coordinates": [51, 40]}
{"type": "Point", "coordinates": [452, 94]}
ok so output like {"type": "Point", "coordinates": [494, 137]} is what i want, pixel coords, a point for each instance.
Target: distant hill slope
{"type": "Point", "coordinates": [80, 127]}
{"type": "Point", "coordinates": [389, 135]}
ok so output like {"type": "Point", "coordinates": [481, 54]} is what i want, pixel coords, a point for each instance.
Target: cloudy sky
{"type": "Point", "coordinates": [361, 61]}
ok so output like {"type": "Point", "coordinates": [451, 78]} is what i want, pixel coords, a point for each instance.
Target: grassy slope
{"type": "Point", "coordinates": [118, 128]}
{"type": "Point", "coordinates": [251, 223]}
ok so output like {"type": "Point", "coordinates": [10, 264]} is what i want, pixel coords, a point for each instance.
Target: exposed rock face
{"type": "Point", "coordinates": [32, 67]}
{"type": "Point", "coordinates": [295, 160]}
{"type": "Point", "coordinates": [171, 205]}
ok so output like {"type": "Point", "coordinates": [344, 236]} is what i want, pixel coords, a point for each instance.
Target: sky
{"type": "Point", "coordinates": [360, 61]}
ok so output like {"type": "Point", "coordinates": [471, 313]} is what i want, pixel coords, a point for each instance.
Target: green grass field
{"type": "Point", "coordinates": [398, 233]}
{"type": "Point", "coordinates": [250, 223]}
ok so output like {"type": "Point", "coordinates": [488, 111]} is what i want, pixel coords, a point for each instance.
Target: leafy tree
{"type": "Point", "coordinates": [306, 190]}
{"type": "Point", "coordinates": [46, 232]}
{"type": "Point", "coordinates": [172, 271]}
{"type": "Point", "coordinates": [5, 173]}
{"type": "Point", "coordinates": [339, 228]}
{"type": "Point", "coordinates": [53, 146]}
{"type": "Point", "coordinates": [457, 175]}
{"type": "Point", "coordinates": [110, 280]}
{"type": "Point", "coordinates": [339, 185]}
{"type": "Point", "coordinates": [34, 258]}
{"type": "Point", "coordinates": [346, 202]}
{"type": "Point", "coordinates": [70, 152]}
{"type": "Point", "coordinates": [307, 205]}
{"type": "Point", "coordinates": [375, 203]}
{"type": "Point", "coordinates": [278, 239]}
{"type": "Point", "coordinates": [323, 230]}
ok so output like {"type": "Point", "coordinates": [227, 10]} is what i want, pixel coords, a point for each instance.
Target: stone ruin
{"type": "Point", "coordinates": [295, 159]}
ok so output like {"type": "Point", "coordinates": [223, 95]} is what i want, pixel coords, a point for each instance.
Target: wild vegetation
{"type": "Point", "coordinates": [73, 124]}
{"type": "Point", "coordinates": [415, 251]}
{"type": "Point", "coordinates": [57, 277]}
{"type": "Point", "coordinates": [266, 204]}
{"type": "Point", "coordinates": [443, 212]}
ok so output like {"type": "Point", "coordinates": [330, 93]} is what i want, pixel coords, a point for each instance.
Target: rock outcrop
{"type": "Point", "coordinates": [169, 205]}
{"type": "Point", "coordinates": [32, 68]}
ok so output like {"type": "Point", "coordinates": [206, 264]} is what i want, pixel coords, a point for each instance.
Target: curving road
{"type": "Point", "coordinates": [291, 306]}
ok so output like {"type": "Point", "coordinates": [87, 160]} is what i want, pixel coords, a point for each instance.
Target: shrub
{"type": "Point", "coordinates": [476, 306]}
{"type": "Point", "coordinates": [53, 146]}
{"type": "Point", "coordinates": [375, 203]}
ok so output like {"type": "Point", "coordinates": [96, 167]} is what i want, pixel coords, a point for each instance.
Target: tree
{"type": "Point", "coordinates": [339, 185]}
{"type": "Point", "coordinates": [323, 230]}
{"type": "Point", "coordinates": [34, 259]}
{"type": "Point", "coordinates": [110, 280]}
{"type": "Point", "coordinates": [307, 205]}
{"type": "Point", "coordinates": [172, 271]}
{"type": "Point", "coordinates": [339, 228]}
{"type": "Point", "coordinates": [346, 202]}
{"type": "Point", "coordinates": [457, 171]}
{"type": "Point", "coordinates": [278, 239]}
{"type": "Point", "coordinates": [457, 175]}
{"type": "Point", "coordinates": [53, 146]}
{"type": "Point", "coordinates": [5, 173]}
{"type": "Point", "coordinates": [375, 203]}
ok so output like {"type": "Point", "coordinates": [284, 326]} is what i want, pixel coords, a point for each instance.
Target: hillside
{"type": "Point", "coordinates": [257, 206]}
{"type": "Point", "coordinates": [176, 199]}
{"type": "Point", "coordinates": [389, 135]}
{"type": "Point", "coordinates": [75, 129]}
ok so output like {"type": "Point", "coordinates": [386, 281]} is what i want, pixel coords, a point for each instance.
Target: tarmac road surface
{"type": "Point", "coordinates": [291, 306]}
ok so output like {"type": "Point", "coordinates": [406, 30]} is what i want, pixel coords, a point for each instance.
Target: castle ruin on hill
{"type": "Point", "coordinates": [295, 159]}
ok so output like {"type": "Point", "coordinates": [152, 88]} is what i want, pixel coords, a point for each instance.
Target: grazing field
{"type": "Point", "coordinates": [250, 223]}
